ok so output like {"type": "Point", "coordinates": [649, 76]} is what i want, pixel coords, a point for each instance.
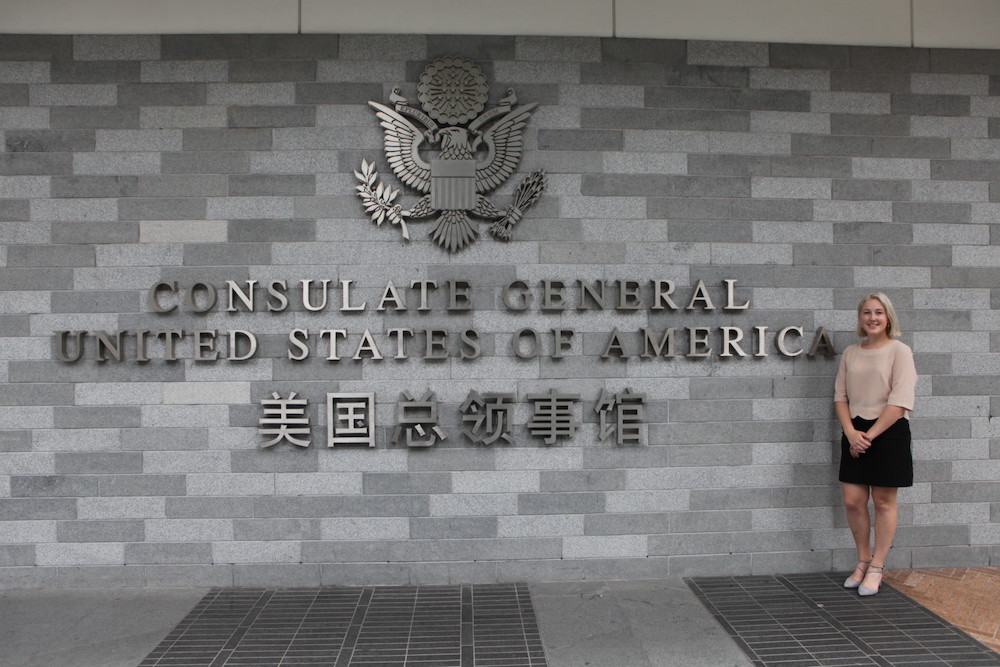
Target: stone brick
{"type": "Point", "coordinates": [14, 210]}
{"type": "Point", "coordinates": [336, 93]}
{"type": "Point", "coordinates": [187, 208]}
{"type": "Point", "coordinates": [208, 162]}
{"type": "Point", "coordinates": [277, 116]}
{"type": "Point", "coordinates": [820, 145]}
{"type": "Point", "coordinates": [931, 212]}
{"type": "Point", "coordinates": [103, 186]}
{"type": "Point", "coordinates": [37, 509]}
{"type": "Point", "coordinates": [172, 71]}
{"type": "Point", "coordinates": [665, 119]}
{"type": "Point", "coordinates": [890, 58]}
{"type": "Point", "coordinates": [563, 140]}
{"type": "Point", "coordinates": [100, 531]}
{"type": "Point", "coordinates": [169, 553]}
{"type": "Point", "coordinates": [870, 124]}
{"type": "Point", "coordinates": [204, 47]}
{"type": "Point", "coordinates": [809, 56]}
{"type": "Point", "coordinates": [867, 190]}
{"type": "Point", "coordinates": [930, 105]}
{"type": "Point", "coordinates": [24, 164]}
{"type": "Point", "coordinates": [91, 117]}
{"type": "Point", "coordinates": [49, 141]}
{"type": "Point", "coordinates": [248, 71]}
{"type": "Point", "coordinates": [158, 117]}
{"type": "Point", "coordinates": [851, 103]}
{"type": "Point", "coordinates": [341, 506]}
{"type": "Point", "coordinates": [903, 147]}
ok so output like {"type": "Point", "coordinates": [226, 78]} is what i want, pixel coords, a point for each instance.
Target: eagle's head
{"type": "Point", "coordinates": [453, 137]}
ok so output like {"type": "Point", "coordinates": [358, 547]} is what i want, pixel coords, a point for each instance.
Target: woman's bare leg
{"type": "Point", "coordinates": [886, 518]}
{"type": "Point", "coordinates": [856, 506]}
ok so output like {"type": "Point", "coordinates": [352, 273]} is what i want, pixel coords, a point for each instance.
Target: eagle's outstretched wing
{"type": "Point", "coordinates": [505, 144]}
{"type": "Point", "coordinates": [402, 139]}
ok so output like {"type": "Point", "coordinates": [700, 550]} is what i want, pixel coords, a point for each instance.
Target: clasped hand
{"type": "Point", "coordinates": [860, 442]}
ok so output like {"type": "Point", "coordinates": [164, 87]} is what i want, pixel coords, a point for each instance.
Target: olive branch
{"type": "Point", "coordinates": [379, 202]}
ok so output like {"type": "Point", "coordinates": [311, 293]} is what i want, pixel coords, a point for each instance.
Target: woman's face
{"type": "Point", "coordinates": [872, 318]}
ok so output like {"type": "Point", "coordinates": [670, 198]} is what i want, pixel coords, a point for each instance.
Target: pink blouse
{"type": "Point", "coordinates": [870, 379]}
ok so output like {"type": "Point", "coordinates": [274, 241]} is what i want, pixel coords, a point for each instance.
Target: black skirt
{"type": "Point", "coordinates": [888, 462]}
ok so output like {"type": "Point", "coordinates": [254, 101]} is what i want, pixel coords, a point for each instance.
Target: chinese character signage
{"type": "Point", "coordinates": [487, 419]}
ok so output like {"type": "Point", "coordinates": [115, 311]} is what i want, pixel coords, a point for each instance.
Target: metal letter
{"type": "Point", "coordinates": [298, 338]}
{"type": "Point", "coordinates": [419, 420]}
{"type": "Point", "coordinates": [552, 296]}
{"type": "Point", "coordinates": [667, 341]}
{"type": "Point", "coordinates": [350, 419]}
{"type": "Point", "coordinates": [59, 338]}
{"type": "Point", "coordinates": [761, 342]}
{"type": "Point", "coordinates": [526, 297]}
{"type": "Point", "coordinates": [104, 344]}
{"type": "Point", "coordinates": [781, 341]}
{"type": "Point", "coordinates": [822, 343]}
{"type": "Point", "coordinates": [192, 297]}
{"type": "Point", "coordinates": [553, 416]}
{"type": "Point", "coordinates": [730, 337]}
{"type": "Point", "coordinates": [562, 342]}
{"type": "Point", "coordinates": [662, 289]}
{"type": "Point", "coordinates": [306, 299]}
{"type": "Point", "coordinates": [700, 294]}
{"type": "Point", "coordinates": [280, 296]}
{"type": "Point", "coordinates": [628, 295]}
{"type": "Point", "coordinates": [730, 295]}
{"type": "Point", "coordinates": [236, 290]}
{"type": "Point", "coordinates": [424, 286]}
{"type": "Point", "coordinates": [400, 335]}
{"type": "Point", "coordinates": [515, 343]}
{"type": "Point", "coordinates": [205, 341]}
{"type": "Point", "coordinates": [391, 293]}
{"type": "Point", "coordinates": [285, 419]}
{"type": "Point", "coordinates": [140, 345]}
{"type": "Point", "coordinates": [367, 345]}
{"type": "Point", "coordinates": [614, 344]}
{"type": "Point", "coordinates": [169, 338]}
{"type": "Point", "coordinates": [334, 335]}
{"type": "Point", "coordinates": [697, 340]}
{"type": "Point", "coordinates": [345, 303]}
{"type": "Point", "coordinates": [470, 338]}
{"type": "Point", "coordinates": [435, 344]}
{"type": "Point", "coordinates": [234, 353]}
{"type": "Point", "coordinates": [460, 295]}
{"type": "Point", "coordinates": [152, 297]}
{"type": "Point", "coordinates": [588, 291]}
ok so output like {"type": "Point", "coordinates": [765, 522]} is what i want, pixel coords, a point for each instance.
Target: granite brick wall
{"type": "Point", "coordinates": [810, 175]}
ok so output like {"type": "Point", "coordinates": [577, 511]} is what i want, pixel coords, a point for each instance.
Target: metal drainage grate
{"type": "Point", "coordinates": [467, 626]}
{"type": "Point", "coordinates": [810, 620]}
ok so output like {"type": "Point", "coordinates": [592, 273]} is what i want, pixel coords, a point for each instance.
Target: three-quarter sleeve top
{"type": "Point", "coordinates": [870, 379]}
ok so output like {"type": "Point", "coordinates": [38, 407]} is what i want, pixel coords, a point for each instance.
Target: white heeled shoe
{"type": "Point", "coordinates": [861, 567]}
{"type": "Point", "coordinates": [865, 591]}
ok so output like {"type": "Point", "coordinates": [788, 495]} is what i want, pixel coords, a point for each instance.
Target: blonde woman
{"type": "Point", "coordinates": [873, 395]}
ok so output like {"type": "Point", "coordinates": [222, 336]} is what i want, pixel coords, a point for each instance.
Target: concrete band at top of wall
{"type": "Point", "coordinates": [809, 174]}
{"type": "Point", "coordinates": [922, 23]}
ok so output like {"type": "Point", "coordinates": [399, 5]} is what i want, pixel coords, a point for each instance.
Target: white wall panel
{"type": "Point", "coordinates": [957, 23]}
{"type": "Point", "coordinates": [865, 22]}
{"type": "Point", "coordinates": [592, 18]}
{"type": "Point", "coordinates": [83, 17]}
{"type": "Point", "coordinates": [934, 23]}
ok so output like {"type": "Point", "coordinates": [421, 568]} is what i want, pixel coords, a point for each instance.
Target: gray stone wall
{"type": "Point", "coordinates": [810, 175]}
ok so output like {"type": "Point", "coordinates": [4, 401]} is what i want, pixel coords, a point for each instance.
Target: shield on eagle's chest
{"type": "Point", "coordinates": [453, 185]}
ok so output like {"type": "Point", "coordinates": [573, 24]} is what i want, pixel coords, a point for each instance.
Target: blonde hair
{"type": "Point", "coordinates": [892, 329]}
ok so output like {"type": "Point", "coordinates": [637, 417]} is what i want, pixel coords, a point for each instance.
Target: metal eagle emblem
{"type": "Point", "coordinates": [477, 152]}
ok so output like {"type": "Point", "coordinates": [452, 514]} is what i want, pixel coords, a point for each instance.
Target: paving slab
{"type": "Point", "coordinates": [643, 623]}
{"type": "Point", "coordinates": [88, 628]}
